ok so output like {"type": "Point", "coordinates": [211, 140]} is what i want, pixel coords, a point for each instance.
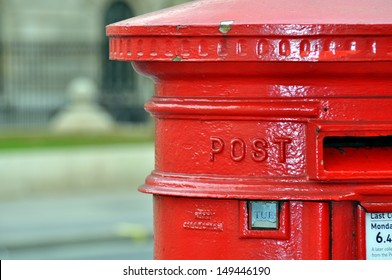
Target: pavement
{"type": "Point", "coordinates": [24, 173]}
{"type": "Point", "coordinates": [107, 225]}
{"type": "Point", "coordinates": [79, 203]}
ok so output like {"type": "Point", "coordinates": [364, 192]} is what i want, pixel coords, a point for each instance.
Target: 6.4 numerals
{"type": "Point", "coordinates": [381, 239]}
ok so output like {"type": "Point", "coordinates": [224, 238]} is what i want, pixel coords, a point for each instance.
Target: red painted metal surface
{"type": "Point", "coordinates": [286, 101]}
{"type": "Point", "coordinates": [188, 234]}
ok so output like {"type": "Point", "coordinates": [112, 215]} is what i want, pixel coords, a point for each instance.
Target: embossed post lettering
{"type": "Point", "coordinates": [259, 153]}
{"type": "Point", "coordinates": [217, 146]}
{"type": "Point", "coordinates": [238, 149]}
{"type": "Point", "coordinates": [257, 149]}
{"type": "Point", "coordinates": [282, 145]}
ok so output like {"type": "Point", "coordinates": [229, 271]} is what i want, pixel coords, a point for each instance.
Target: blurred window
{"type": "Point", "coordinates": [1, 64]}
{"type": "Point", "coordinates": [118, 77]}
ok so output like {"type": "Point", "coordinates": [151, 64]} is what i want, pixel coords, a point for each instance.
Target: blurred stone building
{"type": "Point", "coordinates": [45, 44]}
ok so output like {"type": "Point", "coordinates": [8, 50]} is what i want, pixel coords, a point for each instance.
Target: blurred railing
{"type": "Point", "coordinates": [34, 78]}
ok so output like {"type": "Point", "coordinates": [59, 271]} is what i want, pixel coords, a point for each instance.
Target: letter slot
{"type": "Point", "coordinates": [357, 154]}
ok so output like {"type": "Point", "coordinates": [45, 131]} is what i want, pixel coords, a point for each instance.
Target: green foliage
{"type": "Point", "coordinates": [31, 140]}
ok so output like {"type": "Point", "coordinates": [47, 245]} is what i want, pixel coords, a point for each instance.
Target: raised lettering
{"type": "Point", "coordinates": [259, 153]}
{"type": "Point", "coordinates": [282, 148]}
{"type": "Point", "coordinates": [238, 149]}
{"type": "Point", "coordinates": [256, 150]}
{"type": "Point", "coordinates": [217, 146]}
{"type": "Point", "coordinates": [214, 226]}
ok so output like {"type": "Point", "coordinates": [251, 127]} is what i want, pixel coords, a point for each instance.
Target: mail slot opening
{"type": "Point", "coordinates": [351, 153]}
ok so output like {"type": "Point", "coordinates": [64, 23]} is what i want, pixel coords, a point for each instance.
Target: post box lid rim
{"type": "Point", "coordinates": [255, 17]}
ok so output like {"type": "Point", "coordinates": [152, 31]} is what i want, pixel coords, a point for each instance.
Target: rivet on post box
{"type": "Point", "coordinates": [273, 127]}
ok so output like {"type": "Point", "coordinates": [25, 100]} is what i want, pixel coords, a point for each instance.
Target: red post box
{"type": "Point", "coordinates": [273, 127]}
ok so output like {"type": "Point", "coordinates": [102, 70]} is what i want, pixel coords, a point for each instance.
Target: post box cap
{"type": "Point", "coordinates": [282, 30]}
